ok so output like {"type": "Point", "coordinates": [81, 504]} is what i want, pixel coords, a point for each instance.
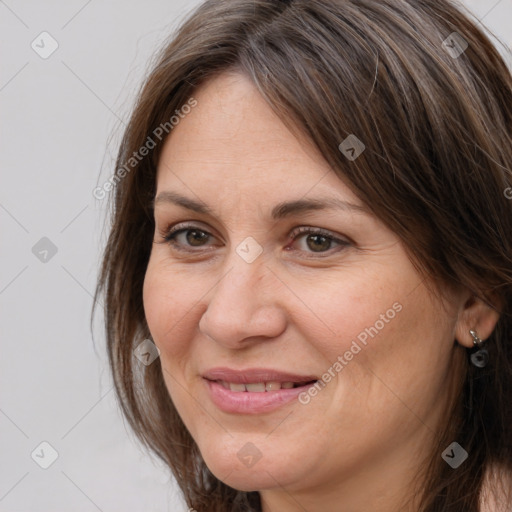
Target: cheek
{"type": "Point", "coordinates": [402, 371]}
{"type": "Point", "coordinates": [350, 313]}
{"type": "Point", "coordinates": [168, 307]}
{"type": "Point", "coordinates": [379, 333]}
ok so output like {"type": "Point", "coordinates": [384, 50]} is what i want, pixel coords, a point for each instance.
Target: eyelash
{"type": "Point", "coordinates": [170, 234]}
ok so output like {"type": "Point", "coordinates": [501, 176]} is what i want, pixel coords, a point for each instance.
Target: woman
{"type": "Point", "coordinates": [308, 276]}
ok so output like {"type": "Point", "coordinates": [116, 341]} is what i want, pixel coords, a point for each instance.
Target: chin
{"type": "Point", "coordinates": [257, 478]}
{"type": "Point", "coordinates": [235, 468]}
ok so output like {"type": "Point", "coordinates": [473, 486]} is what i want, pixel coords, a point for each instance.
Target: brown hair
{"type": "Point", "coordinates": [437, 128]}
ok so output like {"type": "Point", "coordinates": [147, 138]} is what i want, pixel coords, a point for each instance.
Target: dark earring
{"type": "Point", "coordinates": [480, 358]}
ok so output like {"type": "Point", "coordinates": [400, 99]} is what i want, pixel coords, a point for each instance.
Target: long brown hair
{"type": "Point", "coordinates": [431, 98]}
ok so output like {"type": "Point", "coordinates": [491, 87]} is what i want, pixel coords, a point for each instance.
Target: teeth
{"type": "Point", "coordinates": [236, 387]}
{"type": "Point", "coordinates": [258, 387]}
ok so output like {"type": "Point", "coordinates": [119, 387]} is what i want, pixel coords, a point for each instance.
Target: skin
{"type": "Point", "coordinates": [296, 307]}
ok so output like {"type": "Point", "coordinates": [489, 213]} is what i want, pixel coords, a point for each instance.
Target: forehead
{"type": "Point", "coordinates": [233, 138]}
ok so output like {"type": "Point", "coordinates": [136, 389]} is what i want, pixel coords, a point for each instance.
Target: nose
{"type": "Point", "coordinates": [245, 306]}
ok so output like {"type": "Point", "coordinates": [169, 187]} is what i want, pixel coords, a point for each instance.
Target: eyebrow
{"type": "Point", "coordinates": [280, 211]}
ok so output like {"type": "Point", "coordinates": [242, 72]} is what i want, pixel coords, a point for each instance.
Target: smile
{"type": "Point", "coordinates": [261, 387]}
{"type": "Point", "coordinates": [253, 391]}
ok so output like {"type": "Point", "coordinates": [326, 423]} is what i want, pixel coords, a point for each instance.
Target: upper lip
{"type": "Point", "coordinates": [254, 375]}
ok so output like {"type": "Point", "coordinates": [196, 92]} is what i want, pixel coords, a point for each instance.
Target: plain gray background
{"type": "Point", "coordinates": [58, 115]}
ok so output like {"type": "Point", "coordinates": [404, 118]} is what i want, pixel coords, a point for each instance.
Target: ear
{"type": "Point", "coordinates": [476, 315]}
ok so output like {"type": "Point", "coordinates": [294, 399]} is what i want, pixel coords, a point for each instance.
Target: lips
{"type": "Point", "coordinates": [257, 376]}
{"type": "Point", "coordinates": [255, 390]}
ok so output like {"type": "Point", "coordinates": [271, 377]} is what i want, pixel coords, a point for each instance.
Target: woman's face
{"type": "Point", "coordinates": [244, 296]}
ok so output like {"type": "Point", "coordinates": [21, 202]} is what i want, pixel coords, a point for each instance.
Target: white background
{"type": "Point", "coordinates": [57, 115]}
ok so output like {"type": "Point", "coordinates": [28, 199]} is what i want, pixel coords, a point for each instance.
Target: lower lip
{"type": "Point", "coordinates": [249, 402]}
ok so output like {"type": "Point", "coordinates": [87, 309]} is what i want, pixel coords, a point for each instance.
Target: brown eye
{"type": "Point", "coordinates": [317, 240]}
{"type": "Point", "coordinates": [194, 237]}
{"type": "Point", "coordinates": [186, 236]}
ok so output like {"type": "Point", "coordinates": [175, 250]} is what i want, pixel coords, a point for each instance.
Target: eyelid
{"type": "Point", "coordinates": [173, 230]}
{"type": "Point", "coordinates": [296, 232]}
{"type": "Point", "coordinates": [183, 226]}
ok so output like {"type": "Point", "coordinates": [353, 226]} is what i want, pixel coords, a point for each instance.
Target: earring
{"type": "Point", "coordinates": [480, 358]}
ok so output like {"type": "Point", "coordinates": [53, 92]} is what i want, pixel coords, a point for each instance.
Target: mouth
{"type": "Point", "coordinates": [254, 391]}
{"type": "Point", "coordinates": [258, 376]}
{"type": "Point", "coordinates": [262, 387]}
